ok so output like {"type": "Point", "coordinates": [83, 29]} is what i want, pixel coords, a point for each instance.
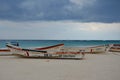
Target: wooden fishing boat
{"type": "Point", "coordinates": [55, 51]}
{"type": "Point", "coordinates": [96, 49]}
{"type": "Point", "coordinates": [115, 48]}
{"type": "Point", "coordinates": [4, 50]}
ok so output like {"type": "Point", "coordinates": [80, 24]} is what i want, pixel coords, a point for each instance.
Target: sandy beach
{"type": "Point", "coordinates": [105, 66]}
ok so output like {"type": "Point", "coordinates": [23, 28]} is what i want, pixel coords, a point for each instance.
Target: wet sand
{"type": "Point", "coordinates": [105, 66]}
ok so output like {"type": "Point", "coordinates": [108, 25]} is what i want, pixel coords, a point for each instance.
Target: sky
{"type": "Point", "coordinates": [60, 19]}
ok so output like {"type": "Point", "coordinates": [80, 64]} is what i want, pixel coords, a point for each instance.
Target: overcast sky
{"type": "Point", "coordinates": [60, 19]}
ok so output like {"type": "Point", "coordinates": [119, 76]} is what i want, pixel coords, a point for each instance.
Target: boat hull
{"type": "Point", "coordinates": [115, 48]}
{"type": "Point", "coordinates": [45, 54]}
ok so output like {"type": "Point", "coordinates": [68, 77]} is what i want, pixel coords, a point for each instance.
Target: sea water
{"type": "Point", "coordinates": [67, 43]}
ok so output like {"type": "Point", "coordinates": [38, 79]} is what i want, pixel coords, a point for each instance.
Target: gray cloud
{"type": "Point", "coordinates": [59, 30]}
{"type": "Point", "coordinates": [52, 10]}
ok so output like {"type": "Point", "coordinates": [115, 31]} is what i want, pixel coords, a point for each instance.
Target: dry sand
{"type": "Point", "coordinates": [93, 67]}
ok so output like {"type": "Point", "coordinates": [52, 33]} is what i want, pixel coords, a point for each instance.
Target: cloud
{"type": "Point", "coordinates": [43, 10]}
{"type": "Point", "coordinates": [58, 10]}
{"type": "Point", "coordinates": [100, 27]}
{"type": "Point", "coordinates": [82, 3]}
{"type": "Point", "coordinates": [63, 30]}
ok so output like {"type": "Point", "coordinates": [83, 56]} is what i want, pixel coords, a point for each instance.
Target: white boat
{"type": "Point", "coordinates": [114, 48]}
{"type": "Point", "coordinates": [55, 51]}
{"type": "Point", "coordinates": [96, 49]}
{"type": "Point", "coordinates": [4, 50]}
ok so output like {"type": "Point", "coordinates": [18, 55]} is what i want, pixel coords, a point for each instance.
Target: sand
{"type": "Point", "coordinates": [105, 66]}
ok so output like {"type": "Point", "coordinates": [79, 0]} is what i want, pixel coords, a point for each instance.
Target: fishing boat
{"type": "Point", "coordinates": [4, 50]}
{"type": "Point", "coordinates": [114, 48]}
{"type": "Point", "coordinates": [56, 51]}
{"type": "Point", "coordinates": [96, 49]}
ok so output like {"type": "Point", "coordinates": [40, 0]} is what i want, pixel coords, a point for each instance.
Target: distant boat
{"type": "Point", "coordinates": [4, 50]}
{"type": "Point", "coordinates": [56, 51]}
{"type": "Point", "coordinates": [115, 48]}
{"type": "Point", "coordinates": [97, 49]}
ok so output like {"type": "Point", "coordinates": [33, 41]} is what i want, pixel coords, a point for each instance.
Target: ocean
{"type": "Point", "coordinates": [68, 43]}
